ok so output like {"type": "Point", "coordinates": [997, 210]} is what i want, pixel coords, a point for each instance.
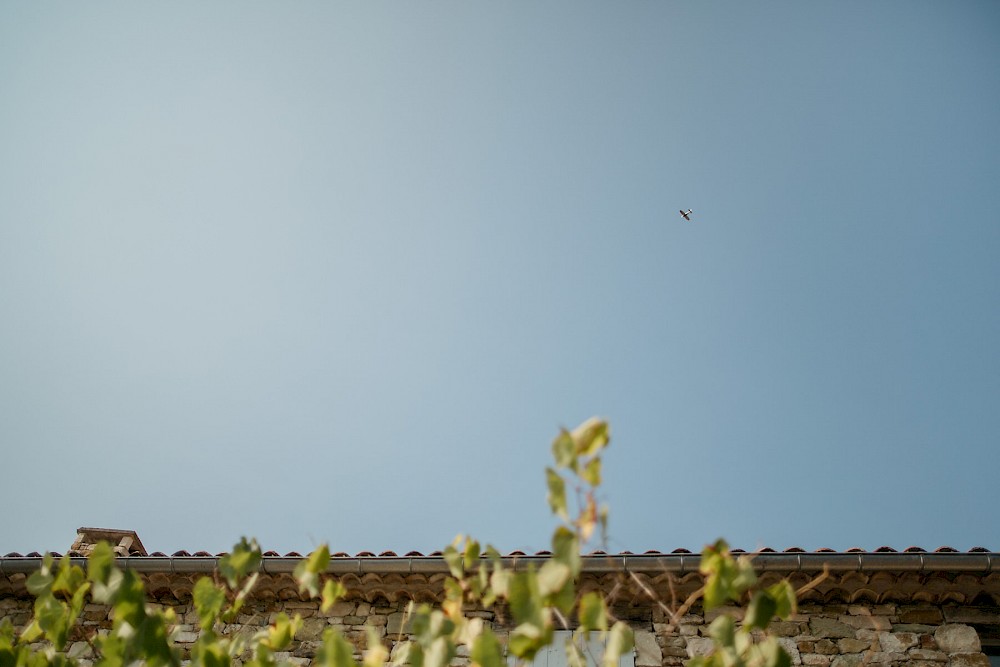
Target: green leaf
{"type": "Point", "coordinates": [760, 611]}
{"type": "Point", "coordinates": [526, 598]}
{"type": "Point", "coordinates": [784, 596]}
{"type": "Point", "coordinates": [282, 632]}
{"type": "Point", "coordinates": [40, 581]}
{"type": "Point", "coordinates": [593, 613]}
{"type": "Point", "coordinates": [527, 639]}
{"type": "Point", "coordinates": [471, 556]}
{"type": "Point", "coordinates": [230, 614]}
{"type": "Point", "coordinates": [439, 653]}
{"type": "Point", "coordinates": [151, 636]}
{"type": "Point", "coordinates": [69, 578]}
{"type": "Point", "coordinates": [31, 632]}
{"type": "Point", "coordinates": [482, 581]}
{"type": "Point", "coordinates": [377, 654]}
{"type": "Point", "coordinates": [745, 576]}
{"type": "Point", "coordinates": [453, 559]}
{"type": "Point", "coordinates": [211, 654]}
{"type": "Point", "coordinates": [774, 654]}
{"type": "Point", "coordinates": [591, 436]}
{"type": "Point", "coordinates": [129, 599]}
{"type": "Point", "coordinates": [335, 651]}
{"type": "Point", "coordinates": [564, 450]}
{"type": "Point", "coordinates": [500, 581]}
{"type": "Point", "coordinates": [574, 656]}
{"type": "Point", "coordinates": [79, 599]}
{"type": "Point", "coordinates": [723, 630]}
{"type": "Point", "coordinates": [102, 573]}
{"type": "Point", "coordinates": [308, 571]}
{"type": "Point", "coordinates": [557, 494]}
{"type": "Point", "coordinates": [332, 591]}
{"type": "Point", "coordinates": [620, 641]}
{"type": "Point", "coordinates": [552, 576]}
{"type": "Point", "coordinates": [53, 619]}
{"type": "Point", "coordinates": [244, 559]}
{"type": "Point", "coordinates": [208, 602]}
{"type": "Point", "coordinates": [453, 590]}
{"type": "Point", "coordinates": [726, 577]}
{"type": "Point", "coordinates": [592, 472]}
{"type": "Point", "coordinates": [566, 549]}
{"type": "Point", "coordinates": [487, 650]}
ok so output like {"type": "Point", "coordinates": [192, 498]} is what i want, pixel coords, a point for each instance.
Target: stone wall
{"type": "Point", "coordinates": [848, 636]}
{"type": "Point", "coordinates": [820, 635]}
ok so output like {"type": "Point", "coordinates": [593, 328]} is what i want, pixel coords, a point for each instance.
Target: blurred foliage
{"type": "Point", "coordinates": [540, 601]}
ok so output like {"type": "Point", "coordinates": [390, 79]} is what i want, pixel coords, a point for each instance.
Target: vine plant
{"type": "Point", "coordinates": [539, 601]}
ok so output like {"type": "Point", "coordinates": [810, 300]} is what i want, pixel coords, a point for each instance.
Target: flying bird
{"type": "Point", "coordinates": [686, 214]}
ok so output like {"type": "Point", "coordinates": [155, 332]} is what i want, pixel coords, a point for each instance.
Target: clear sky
{"type": "Point", "coordinates": [335, 271]}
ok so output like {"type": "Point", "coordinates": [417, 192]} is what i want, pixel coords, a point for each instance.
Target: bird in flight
{"type": "Point", "coordinates": [686, 214]}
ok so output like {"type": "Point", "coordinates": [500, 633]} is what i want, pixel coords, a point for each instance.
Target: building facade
{"type": "Point", "coordinates": [856, 608]}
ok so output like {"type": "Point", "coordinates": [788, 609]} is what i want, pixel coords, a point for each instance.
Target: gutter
{"type": "Point", "coordinates": [648, 564]}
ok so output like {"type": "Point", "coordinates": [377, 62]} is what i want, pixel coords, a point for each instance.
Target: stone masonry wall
{"type": "Point", "coordinates": [846, 636]}
{"type": "Point", "coordinates": [833, 635]}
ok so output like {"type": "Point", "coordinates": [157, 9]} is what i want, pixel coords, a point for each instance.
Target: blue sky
{"type": "Point", "coordinates": [339, 271]}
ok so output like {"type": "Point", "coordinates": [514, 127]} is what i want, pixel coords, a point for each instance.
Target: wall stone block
{"type": "Point", "coordinates": [789, 645]}
{"type": "Point", "coordinates": [955, 638]}
{"type": "Point", "coordinates": [647, 650]}
{"type": "Point", "coordinates": [922, 615]}
{"type": "Point", "coordinates": [848, 660]}
{"type": "Point", "coordinates": [786, 628]}
{"type": "Point", "coordinates": [897, 642]}
{"type": "Point", "coordinates": [968, 660]}
{"type": "Point", "coordinates": [927, 655]}
{"type": "Point", "coordinates": [827, 627]}
{"type": "Point", "coordinates": [394, 623]}
{"type": "Point", "coordinates": [699, 646]}
{"type": "Point", "coordinates": [867, 622]}
{"type": "Point", "coordinates": [849, 645]}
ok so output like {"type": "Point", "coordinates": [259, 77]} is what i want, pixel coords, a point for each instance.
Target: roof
{"type": "Point", "coordinates": [680, 560]}
{"type": "Point", "coordinates": [854, 576]}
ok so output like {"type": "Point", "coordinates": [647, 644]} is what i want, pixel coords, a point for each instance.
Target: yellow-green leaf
{"type": "Point", "coordinates": [486, 650]}
{"type": "Point", "coordinates": [332, 591]}
{"type": "Point", "coordinates": [208, 602]}
{"type": "Point", "coordinates": [564, 450]}
{"type": "Point", "coordinates": [377, 654]}
{"type": "Point", "coordinates": [783, 595]}
{"type": "Point", "coordinates": [592, 472]}
{"type": "Point", "coordinates": [241, 561]}
{"type": "Point", "coordinates": [593, 613]}
{"type": "Point", "coordinates": [308, 571]}
{"type": "Point", "coordinates": [557, 493]}
{"type": "Point", "coordinates": [335, 651]}
{"type": "Point", "coordinates": [591, 436]}
{"type": "Point", "coordinates": [760, 611]}
{"type": "Point", "coordinates": [620, 641]}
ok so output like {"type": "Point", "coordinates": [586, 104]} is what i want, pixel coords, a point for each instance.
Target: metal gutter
{"type": "Point", "coordinates": [649, 564]}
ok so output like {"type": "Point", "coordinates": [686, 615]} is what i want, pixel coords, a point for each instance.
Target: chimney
{"type": "Point", "coordinates": [124, 542]}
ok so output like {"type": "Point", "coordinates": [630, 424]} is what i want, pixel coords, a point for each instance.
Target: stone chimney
{"type": "Point", "coordinates": [124, 542]}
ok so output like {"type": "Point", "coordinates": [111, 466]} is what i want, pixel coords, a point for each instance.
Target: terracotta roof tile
{"type": "Point", "coordinates": [517, 552]}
